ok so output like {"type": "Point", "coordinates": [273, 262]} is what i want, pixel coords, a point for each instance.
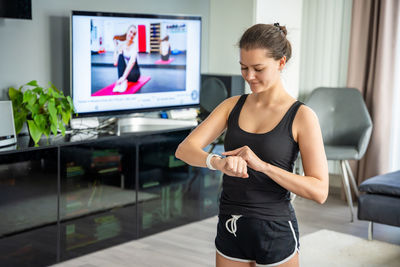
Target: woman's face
{"type": "Point", "coordinates": [259, 70]}
{"type": "Point", "coordinates": [131, 33]}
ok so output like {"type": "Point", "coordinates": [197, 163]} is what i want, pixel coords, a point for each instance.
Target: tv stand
{"type": "Point", "coordinates": [144, 124]}
{"type": "Point", "coordinates": [90, 194]}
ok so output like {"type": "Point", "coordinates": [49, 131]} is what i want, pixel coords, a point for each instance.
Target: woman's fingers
{"type": "Point", "coordinates": [236, 166]}
{"type": "Point", "coordinates": [242, 169]}
{"type": "Point", "coordinates": [232, 152]}
{"type": "Point", "coordinates": [232, 164]}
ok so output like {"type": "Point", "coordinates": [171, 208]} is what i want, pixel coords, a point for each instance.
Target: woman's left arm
{"type": "Point", "coordinates": [315, 184]}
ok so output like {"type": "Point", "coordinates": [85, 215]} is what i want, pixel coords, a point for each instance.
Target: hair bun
{"type": "Point", "coordinates": [282, 29]}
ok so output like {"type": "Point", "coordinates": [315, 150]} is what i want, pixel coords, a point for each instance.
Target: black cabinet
{"type": "Point", "coordinates": [97, 197]}
{"type": "Point", "coordinates": [28, 208]}
{"type": "Point", "coordinates": [65, 199]}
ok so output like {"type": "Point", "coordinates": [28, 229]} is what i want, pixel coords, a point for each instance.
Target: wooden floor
{"type": "Point", "coordinates": [192, 245]}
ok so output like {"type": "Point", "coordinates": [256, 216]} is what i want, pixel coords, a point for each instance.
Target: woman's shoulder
{"type": "Point", "coordinates": [305, 117]}
{"type": "Point", "coordinates": [304, 121]}
{"type": "Point", "coordinates": [228, 104]}
{"type": "Point", "coordinates": [231, 101]}
{"type": "Point", "coordinates": [305, 112]}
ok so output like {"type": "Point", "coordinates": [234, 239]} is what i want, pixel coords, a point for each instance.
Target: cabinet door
{"type": "Point", "coordinates": [28, 208]}
{"type": "Point", "coordinates": [98, 196]}
{"type": "Point", "coordinates": [209, 188]}
{"type": "Point", "coordinates": [166, 190]}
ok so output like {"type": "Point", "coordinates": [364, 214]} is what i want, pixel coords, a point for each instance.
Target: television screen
{"type": "Point", "coordinates": [131, 62]}
{"type": "Point", "coordinates": [17, 9]}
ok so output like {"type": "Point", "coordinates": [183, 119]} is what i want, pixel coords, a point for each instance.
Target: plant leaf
{"type": "Point", "coordinates": [50, 92]}
{"type": "Point", "coordinates": [19, 119]}
{"type": "Point", "coordinates": [59, 109]}
{"type": "Point", "coordinates": [34, 131]}
{"type": "Point", "coordinates": [53, 128]}
{"type": "Point", "coordinates": [43, 99]}
{"type": "Point", "coordinates": [37, 90]}
{"type": "Point", "coordinates": [55, 88]}
{"type": "Point", "coordinates": [13, 93]}
{"type": "Point", "coordinates": [62, 128]}
{"type": "Point", "coordinates": [47, 131]}
{"type": "Point", "coordinates": [66, 116]}
{"type": "Point", "coordinates": [52, 110]}
{"type": "Point", "coordinates": [35, 109]}
{"type": "Point", "coordinates": [32, 83]}
{"type": "Point", "coordinates": [71, 104]}
{"type": "Point", "coordinates": [40, 121]}
{"type": "Point", "coordinates": [29, 97]}
{"type": "Point", "coordinates": [16, 98]}
{"type": "Point", "coordinates": [55, 94]}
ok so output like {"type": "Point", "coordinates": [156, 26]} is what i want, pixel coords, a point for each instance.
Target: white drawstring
{"type": "Point", "coordinates": [232, 222]}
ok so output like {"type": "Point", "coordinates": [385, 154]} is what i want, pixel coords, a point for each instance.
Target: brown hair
{"type": "Point", "coordinates": [268, 36]}
{"type": "Point", "coordinates": [123, 36]}
{"type": "Point", "coordinates": [166, 38]}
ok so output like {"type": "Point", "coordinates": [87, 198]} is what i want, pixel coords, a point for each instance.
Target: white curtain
{"type": "Point", "coordinates": [325, 38]}
{"type": "Point", "coordinates": [395, 133]}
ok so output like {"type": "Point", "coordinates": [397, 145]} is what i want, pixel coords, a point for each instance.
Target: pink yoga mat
{"type": "Point", "coordinates": [162, 62]}
{"type": "Point", "coordinates": [132, 88]}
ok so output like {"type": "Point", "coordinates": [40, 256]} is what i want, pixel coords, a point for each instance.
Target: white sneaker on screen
{"type": "Point", "coordinates": [123, 86]}
{"type": "Point", "coordinates": [116, 88]}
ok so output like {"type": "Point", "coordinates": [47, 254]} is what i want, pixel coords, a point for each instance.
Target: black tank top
{"type": "Point", "coordinates": [259, 196]}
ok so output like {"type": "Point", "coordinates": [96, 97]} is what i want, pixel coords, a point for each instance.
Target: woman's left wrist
{"type": "Point", "coordinates": [265, 167]}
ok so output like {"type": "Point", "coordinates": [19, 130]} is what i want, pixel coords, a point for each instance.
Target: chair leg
{"type": "Point", "coordinates": [347, 191]}
{"type": "Point", "coordinates": [370, 230]}
{"type": "Point", "coordinates": [352, 180]}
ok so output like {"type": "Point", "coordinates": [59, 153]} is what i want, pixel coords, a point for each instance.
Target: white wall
{"type": "Point", "coordinates": [228, 20]}
{"type": "Point", "coordinates": [287, 13]}
{"type": "Point", "coordinates": [39, 48]}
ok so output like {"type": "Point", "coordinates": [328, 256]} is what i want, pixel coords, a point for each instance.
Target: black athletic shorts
{"type": "Point", "coordinates": [268, 243]}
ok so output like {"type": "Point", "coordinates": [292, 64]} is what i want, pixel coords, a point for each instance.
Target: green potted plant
{"type": "Point", "coordinates": [46, 110]}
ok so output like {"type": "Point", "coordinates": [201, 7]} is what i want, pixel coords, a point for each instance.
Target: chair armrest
{"type": "Point", "coordinates": [363, 141]}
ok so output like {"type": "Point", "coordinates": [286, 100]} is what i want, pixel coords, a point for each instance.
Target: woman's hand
{"type": "Point", "coordinates": [121, 80]}
{"type": "Point", "coordinates": [232, 166]}
{"type": "Point", "coordinates": [252, 160]}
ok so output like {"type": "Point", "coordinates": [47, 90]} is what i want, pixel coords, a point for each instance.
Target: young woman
{"type": "Point", "coordinates": [165, 48]}
{"type": "Point", "coordinates": [265, 130]}
{"type": "Point", "coordinates": [125, 58]}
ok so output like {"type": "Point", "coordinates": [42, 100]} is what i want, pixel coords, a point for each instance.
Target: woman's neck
{"type": "Point", "coordinates": [276, 94]}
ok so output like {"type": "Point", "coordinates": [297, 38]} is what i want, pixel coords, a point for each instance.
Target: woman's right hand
{"type": "Point", "coordinates": [232, 166]}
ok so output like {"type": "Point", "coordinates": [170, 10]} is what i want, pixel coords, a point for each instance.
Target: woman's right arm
{"type": "Point", "coordinates": [191, 149]}
{"type": "Point", "coordinates": [116, 52]}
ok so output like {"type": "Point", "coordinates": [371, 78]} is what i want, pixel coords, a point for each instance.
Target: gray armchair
{"type": "Point", "coordinates": [346, 129]}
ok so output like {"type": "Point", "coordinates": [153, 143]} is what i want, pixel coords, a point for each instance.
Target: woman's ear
{"type": "Point", "coordinates": [282, 63]}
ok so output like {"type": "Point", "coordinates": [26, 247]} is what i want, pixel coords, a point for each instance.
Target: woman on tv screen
{"type": "Point", "coordinates": [165, 48]}
{"type": "Point", "coordinates": [125, 58]}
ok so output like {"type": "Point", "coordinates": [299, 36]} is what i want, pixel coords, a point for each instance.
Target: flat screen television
{"type": "Point", "coordinates": [16, 9]}
{"type": "Point", "coordinates": [124, 63]}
